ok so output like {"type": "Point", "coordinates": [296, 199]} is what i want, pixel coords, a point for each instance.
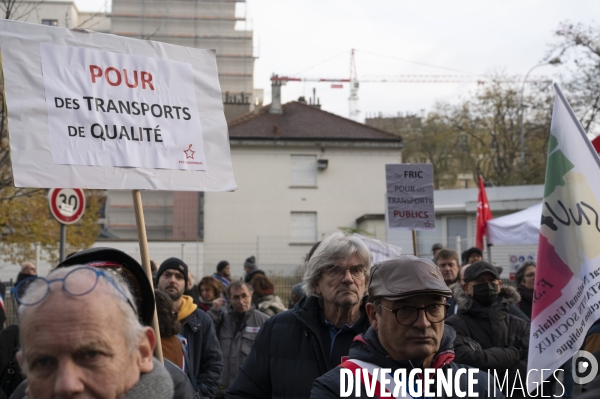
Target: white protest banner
{"type": "Point", "coordinates": [410, 196]}
{"type": "Point", "coordinates": [379, 250]}
{"type": "Point", "coordinates": [566, 296]}
{"type": "Point", "coordinates": [90, 110]}
{"type": "Point", "coordinates": [107, 109]}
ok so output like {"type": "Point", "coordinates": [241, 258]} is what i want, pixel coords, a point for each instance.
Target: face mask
{"type": "Point", "coordinates": [485, 294]}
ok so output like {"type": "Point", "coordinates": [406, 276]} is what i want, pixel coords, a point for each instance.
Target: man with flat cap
{"type": "Point", "coordinates": [406, 308]}
{"type": "Point", "coordinates": [488, 336]}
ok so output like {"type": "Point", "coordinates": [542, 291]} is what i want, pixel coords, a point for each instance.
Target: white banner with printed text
{"type": "Point", "coordinates": [98, 111]}
{"type": "Point", "coordinates": [110, 109]}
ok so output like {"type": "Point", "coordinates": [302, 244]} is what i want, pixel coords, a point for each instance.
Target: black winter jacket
{"type": "Point", "coordinates": [368, 349]}
{"type": "Point", "coordinates": [204, 351]}
{"type": "Point", "coordinates": [490, 338]}
{"type": "Point", "coordinates": [291, 350]}
{"type": "Point", "coordinates": [513, 309]}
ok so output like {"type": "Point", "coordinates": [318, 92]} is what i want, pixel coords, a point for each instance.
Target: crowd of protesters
{"type": "Point", "coordinates": [85, 329]}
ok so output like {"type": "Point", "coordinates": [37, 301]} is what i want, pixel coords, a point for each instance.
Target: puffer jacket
{"type": "Point", "coordinates": [513, 309]}
{"type": "Point", "coordinates": [292, 350]}
{"type": "Point", "coordinates": [490, 338]}
{"type": "Point", "coordinates": [270, 305]}
{"type": "Point", "coordinates": [237, 333]}
{"type": "Point", "coordinates": [367, 348]}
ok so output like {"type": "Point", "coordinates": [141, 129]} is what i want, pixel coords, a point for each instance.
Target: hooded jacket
{"type": "Point", "coordinates": [291, 350]}
{"type": "Point", "coordinates": [490, 338]}
{"type": "Point", "coordinates": [513, 309]}
{"type": "Point", "coordinates": [203, 346]}
{"type": "Point", "coordinates": [367, 348]}
{"type": "Point", "coordinates": [270, 305]}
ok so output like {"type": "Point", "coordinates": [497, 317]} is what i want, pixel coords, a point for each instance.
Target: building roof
{"type": "Point", "coordinates": [301, 121]}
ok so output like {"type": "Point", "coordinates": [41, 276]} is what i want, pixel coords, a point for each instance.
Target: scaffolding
{"type": "Point", "coordinates": [208, 24]}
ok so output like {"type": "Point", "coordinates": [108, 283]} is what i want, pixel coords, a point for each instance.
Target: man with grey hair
{"type": "Point", "coordinates": [297, 346]}
{"type": "Point", "coordinates": [28, 269]}
{"type": "Point", "coordinates": [81, 337]}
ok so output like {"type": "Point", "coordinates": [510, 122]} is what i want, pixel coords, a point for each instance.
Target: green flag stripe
{"type": "Point", "coordinates": [558, 166]}
{"type": "Point", "coordinates": [552, 144]}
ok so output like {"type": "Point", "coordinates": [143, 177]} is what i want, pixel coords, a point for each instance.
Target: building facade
{"type": "Point", "coordinates": [209, 24]}
{"type": "Point", "coordinates": [59, 13]}
{"type": "Point", "coordinates": [302, 173]}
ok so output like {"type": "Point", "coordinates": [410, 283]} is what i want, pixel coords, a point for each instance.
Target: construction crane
{"type": "Point", "coordinates": [355, 84]}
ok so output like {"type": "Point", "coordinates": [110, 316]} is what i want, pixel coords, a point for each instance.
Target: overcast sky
{"type": "Point", "coordinates": [313, 39]}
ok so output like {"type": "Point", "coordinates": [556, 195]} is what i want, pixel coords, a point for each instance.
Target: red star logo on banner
{"type": "Point", "coordinates": [189, 153]}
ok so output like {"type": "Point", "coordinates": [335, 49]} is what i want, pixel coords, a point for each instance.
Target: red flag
{"type": "Point", "coordinates": [484, 214]}
{"type": "Point", "coordinates": [596, 144]}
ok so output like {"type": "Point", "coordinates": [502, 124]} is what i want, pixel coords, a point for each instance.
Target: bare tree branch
{"type": "Point", "coordinates": [153, 33]}
{"type": "Point", "coordinates": [97, 13]}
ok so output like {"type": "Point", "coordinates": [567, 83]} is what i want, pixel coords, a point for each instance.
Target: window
{"type": "Point", "coordinates": [426, 238]}
{"type": "Point", "coordinates": [304, 227]}
{"type": "Point", "coordinates": [50, 22]}
{"type": "Point", "coordinates": [304, 170]}
{"type": "Point", "coordinates": [457, 226]}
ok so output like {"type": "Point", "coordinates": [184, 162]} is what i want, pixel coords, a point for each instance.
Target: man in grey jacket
{"type": "Point", "coordinates": [237, 331]}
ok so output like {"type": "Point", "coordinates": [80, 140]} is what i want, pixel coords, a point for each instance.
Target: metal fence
{"type": "Point", "coordinates": [10, 308]}
{"type": "Point", "coordinates": [283, 288]}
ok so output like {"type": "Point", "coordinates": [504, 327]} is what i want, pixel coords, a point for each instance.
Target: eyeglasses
{"type": "Point", "coordinates": [240, 297]}
{"type": "Point", "coordinates": [408, 315]}
{"type": "Point", "coordinates": [74, 283]}
{"type": "Point", "coordinates": [339, 272]}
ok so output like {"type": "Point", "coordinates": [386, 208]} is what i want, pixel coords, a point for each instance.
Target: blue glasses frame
{"type": "Point", "coordinates": [20, 288]}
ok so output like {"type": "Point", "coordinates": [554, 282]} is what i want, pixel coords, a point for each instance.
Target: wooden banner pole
{"type": "Point", "coordinates": [141, 228]}
{"type": "Point", "coordinates": [414, 236]}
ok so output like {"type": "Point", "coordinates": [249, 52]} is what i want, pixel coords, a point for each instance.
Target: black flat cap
{"type": "Point", "coordinates": [125, 266]}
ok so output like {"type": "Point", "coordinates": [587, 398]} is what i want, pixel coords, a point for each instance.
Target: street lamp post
{"type": "Point", "coordinates": [553, 61]}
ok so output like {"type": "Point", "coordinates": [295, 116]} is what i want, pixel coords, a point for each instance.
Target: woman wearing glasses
{"type": "Point", "coordinates": [525, 279]}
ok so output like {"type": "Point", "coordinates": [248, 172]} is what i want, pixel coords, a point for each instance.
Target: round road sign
{"type": "Point", "coordinates": [66, 204]}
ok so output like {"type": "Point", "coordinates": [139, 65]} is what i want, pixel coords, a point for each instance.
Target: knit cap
{"type": "Point", "coordinates": [250, 263]}
{"type": "Point", "coordinates": [175, 264]}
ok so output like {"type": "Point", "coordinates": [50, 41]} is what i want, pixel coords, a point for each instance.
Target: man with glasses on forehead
{"type": "Point", "coordinates": [81, 337]}
{"type": "Point", "coordinates": [406, 309]}
{"type": "Point", "coordinates": [295, 347]}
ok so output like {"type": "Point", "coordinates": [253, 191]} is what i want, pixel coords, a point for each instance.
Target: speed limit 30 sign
{"type": "Point", "coordinates": [66, 204]}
